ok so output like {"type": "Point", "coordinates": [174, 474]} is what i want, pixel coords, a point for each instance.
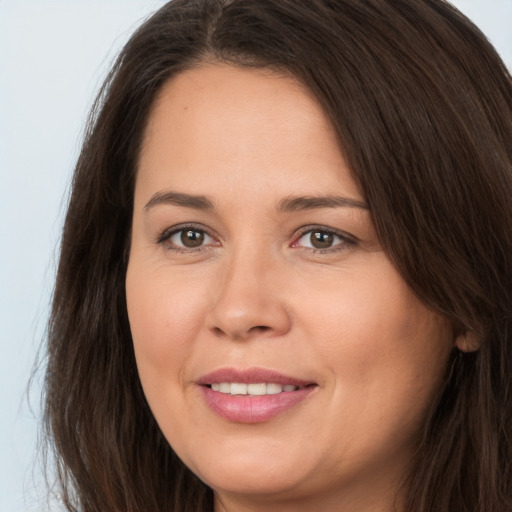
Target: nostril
{"type": "Point", "coordinates": [218, 331]}
{"type": "Point", "coordinates": [261, 328]}
{"type": "Point", "coordinates": [241, 334]}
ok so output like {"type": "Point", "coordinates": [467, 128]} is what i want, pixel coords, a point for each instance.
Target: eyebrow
{"type": "Point", "coordinates": [179, 199]}
{"type": "Point", "coordinates": [287, 204]}
{"type": "Point", "coordinates": [293, 204]}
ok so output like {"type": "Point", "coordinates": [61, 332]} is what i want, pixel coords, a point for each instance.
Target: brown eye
{"type": "Point", "coordinates": [192, 238]}
{"type": "Point", "coordinates": [321, 239]}
{"type": "Point", "coordinates": [189, 238]}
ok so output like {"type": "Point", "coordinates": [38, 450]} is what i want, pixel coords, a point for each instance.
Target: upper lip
{"type": "Point", "coordinates": [250, 375]}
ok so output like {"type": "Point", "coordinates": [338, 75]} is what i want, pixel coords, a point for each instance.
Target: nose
{"type": "Point", "coordinates": [250, 300]}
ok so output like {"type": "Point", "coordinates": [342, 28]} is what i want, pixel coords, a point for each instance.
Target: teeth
{"type": "Point", "coordinates": [225, 387]}
{"type": "Point", "coordinates": [256, 389]}
{"type": "Point", "coordinates": [238, 389]}
{"type": "Point", "coordinates": [253, 389]}
{"type": "Point", "coordinates": [274, 389]}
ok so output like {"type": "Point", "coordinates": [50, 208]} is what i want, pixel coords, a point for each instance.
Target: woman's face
{"type": "Point", "coordinates": [282, 355]}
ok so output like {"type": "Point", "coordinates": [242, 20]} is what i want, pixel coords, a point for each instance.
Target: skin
{"type": "Point", "coordinates": [256, 293]}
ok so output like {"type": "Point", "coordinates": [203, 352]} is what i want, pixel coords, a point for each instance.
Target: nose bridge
{"type": "Point", "coordinates": [248, 299]}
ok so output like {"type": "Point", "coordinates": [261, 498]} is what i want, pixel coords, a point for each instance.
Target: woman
{"type": "Point", "coordinates": [285, 278]}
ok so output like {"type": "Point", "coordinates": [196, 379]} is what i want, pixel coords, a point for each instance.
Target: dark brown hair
{"type": "Point", "coordinates": [422, 106]}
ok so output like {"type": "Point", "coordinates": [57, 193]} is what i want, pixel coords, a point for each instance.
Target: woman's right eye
{"type": "Point", "coordinates": [187, 238]}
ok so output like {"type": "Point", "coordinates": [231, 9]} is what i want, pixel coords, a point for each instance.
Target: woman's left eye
{"type": "Point", "coordinates": [322, 239]}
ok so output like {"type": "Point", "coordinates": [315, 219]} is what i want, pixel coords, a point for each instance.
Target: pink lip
{"type": "Point", "coordinates": [252, 409]}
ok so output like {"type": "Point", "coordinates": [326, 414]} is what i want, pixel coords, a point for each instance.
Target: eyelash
{"type": "Point", "coordinates": [167, 234]}
{"type": "Point", "coordinates": [345, 240]}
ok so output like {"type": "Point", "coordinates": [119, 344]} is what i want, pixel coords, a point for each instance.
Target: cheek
{"type": "Point", "coordinates": [373, 313]}
{"type": "Point", "coordinates": [386, 352]}
{"type": "Point", "coordinates": [165, 316]}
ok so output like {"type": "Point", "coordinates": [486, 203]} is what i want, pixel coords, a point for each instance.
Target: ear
{"type": "Point", "coordinates": [469, 341]}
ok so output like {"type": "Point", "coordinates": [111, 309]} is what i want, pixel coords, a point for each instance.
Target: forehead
{"type": "Point", "coordinates": [239, 125]}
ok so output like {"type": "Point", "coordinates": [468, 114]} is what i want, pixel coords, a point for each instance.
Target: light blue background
{"type": "Point", "coordinates": [53, 56]}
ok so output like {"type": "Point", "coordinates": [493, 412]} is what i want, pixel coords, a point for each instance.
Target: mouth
{"type": "Point", "coordinates": [254, 388]}
{"type": "Point", "coordinates": [252, 396]}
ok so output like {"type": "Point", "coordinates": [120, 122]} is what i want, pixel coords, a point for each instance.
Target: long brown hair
{"type": "Point", "coordinates": [422, 106]}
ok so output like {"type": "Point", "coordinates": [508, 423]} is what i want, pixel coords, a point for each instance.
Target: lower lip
{"type": "Point", "coordinates": [253, 409]}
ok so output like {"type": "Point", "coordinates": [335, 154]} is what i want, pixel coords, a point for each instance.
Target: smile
{"type": "Point", "coordinates": [253, 395]}
{"type": "Point", "coordinates": [253, 389]}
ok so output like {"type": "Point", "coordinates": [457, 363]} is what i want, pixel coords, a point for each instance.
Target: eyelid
{"type": "Point", "coordinates": [167, 233]}
{"type": "Point", "coordinates": [346, 237]}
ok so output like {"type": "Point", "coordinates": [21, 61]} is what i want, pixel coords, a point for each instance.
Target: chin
{"type": "Point", "coordinates": [248, 475]}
